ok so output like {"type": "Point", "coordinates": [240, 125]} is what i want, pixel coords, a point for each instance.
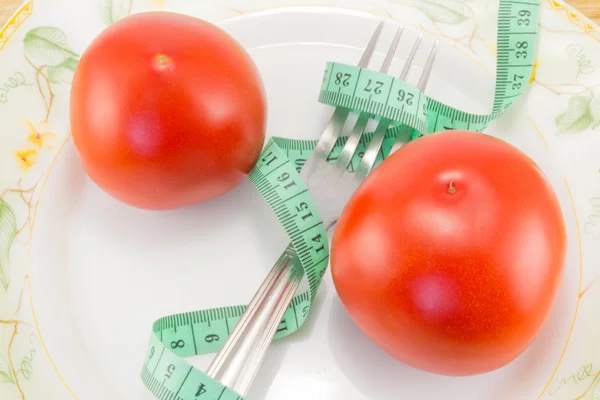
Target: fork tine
{"type": "Point", "coordinates": [389, 57]}
{"type": "Point", "coordinates": [411, 58]}
{"type": "Point", "coordinates": [422, 85]}
{"type": "Point", "coordinates": [368, 159]}
{"type": "Point", "coordinates": [353, 141]}
{"type": "Point", "coordinates": [336, 122]}
{"type": "Point", "coordinates": [366, 56]}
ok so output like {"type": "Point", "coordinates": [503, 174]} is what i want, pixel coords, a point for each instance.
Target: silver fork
{"type": "Point", "coordinates": [240, 358]}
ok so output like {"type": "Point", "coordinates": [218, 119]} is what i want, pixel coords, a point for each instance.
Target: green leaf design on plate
{"type": "Point", "coordinates": [63, 72]}
{"type": "Point", "coordinates": [445, 11]}
{"type": "Point", "coordinates": [113, 10]}
{"type": "Point", "coordinates": [8, 232]}
{"type": "Point", "coordinates": [595, 111]}
{"type": "Point", "coordinates": [48, 45]}
{"type": "Point", "coordinates": [578, 116]}
{"type": "Point", "coordinates": [6, 375]}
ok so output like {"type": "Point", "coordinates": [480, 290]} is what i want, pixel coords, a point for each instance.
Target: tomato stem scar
{"type": "Point", "coordinates": [163, 58]}
{"type": "Point", "coordinates": [451, 188]}
{"type": "Point", "coordinates": [162, 62]}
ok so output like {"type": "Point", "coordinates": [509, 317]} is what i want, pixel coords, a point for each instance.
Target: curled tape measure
{"type": "Point", "coordinates": [165, 372]}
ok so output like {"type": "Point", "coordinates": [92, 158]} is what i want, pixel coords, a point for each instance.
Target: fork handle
{"type": "Point", "coordinates": [240, 358]}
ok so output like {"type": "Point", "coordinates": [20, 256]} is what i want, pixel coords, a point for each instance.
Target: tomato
{"type": "Point", "coordinates": [449, 256]}
{"type": "Point", "coordinates": [167, 110]}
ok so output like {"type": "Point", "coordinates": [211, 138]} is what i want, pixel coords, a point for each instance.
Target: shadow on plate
{"type": "Point", "coordinates": [379, 376]}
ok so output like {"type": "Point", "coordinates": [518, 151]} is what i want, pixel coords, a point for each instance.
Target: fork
{"type": "Point", "coordinates": [331, 185]}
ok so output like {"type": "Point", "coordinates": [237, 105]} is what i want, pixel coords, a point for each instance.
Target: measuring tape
{"type": "Point", "coordinates": [183, 335]}
{"type": "Point", "coordinates": [276, 177]}
{"type": "Point", "coordinates": [384, 96]}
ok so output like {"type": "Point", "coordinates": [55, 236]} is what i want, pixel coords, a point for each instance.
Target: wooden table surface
{"type": "Point", "coordinates": [591, 8]}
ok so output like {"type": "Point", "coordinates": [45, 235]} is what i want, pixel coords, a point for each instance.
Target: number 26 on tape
{"type": "Point", "coordinates": [406, 97]}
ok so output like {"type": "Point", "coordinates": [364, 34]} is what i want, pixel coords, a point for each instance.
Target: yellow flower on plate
{"type": "Point", "coordinates": [41, 135]}
{"type": "Point", "coordinates": [26, 159]}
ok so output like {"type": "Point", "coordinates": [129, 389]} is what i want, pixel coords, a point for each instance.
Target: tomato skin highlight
{"type": "Point", "coordinates": [167, 110]}
{"type": "Point", "coordinates": [450, 255]}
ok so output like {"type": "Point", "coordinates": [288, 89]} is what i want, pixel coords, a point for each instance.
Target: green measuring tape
{"type": "Point", "coordinates": [384, 96]}
{"type": "Point", "coordinates": [278, 182]}
{"type": "Point", "coordinates": [276, 177]}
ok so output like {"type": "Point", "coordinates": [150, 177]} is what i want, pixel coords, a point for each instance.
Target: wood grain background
{"type": "Point", "coordinates": [591, 8]}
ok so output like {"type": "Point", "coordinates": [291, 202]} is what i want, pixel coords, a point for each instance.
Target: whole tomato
{"type": "Point", "coordinates": [167, 110]}
{"type": "Point", "coordinates": [450, 254]}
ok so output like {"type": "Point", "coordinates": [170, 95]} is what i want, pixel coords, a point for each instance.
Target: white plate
{"type": "Point", "coordinates": [102, 272]}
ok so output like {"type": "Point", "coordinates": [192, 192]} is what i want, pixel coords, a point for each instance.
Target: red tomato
{"type": "Point", "coordinates": [450, 255]}
{"type": "Point", "coordinates": [167, 110]}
